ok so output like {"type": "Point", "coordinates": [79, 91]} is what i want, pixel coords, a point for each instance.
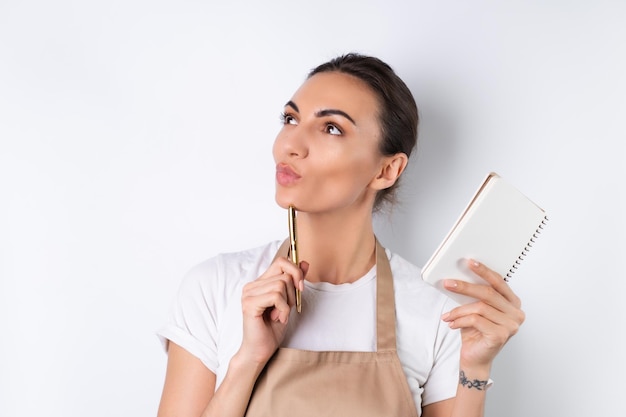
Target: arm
{"type": "Point", "coordinates": [486, 326]}
{"type": "Point", "coordinates": [189, 385]}
{"type": "Point", "coordinates": [189, 389]}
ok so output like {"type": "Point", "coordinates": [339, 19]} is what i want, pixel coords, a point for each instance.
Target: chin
{"type": "Point", "coordinates": [282, 205]}
{"type": "Point", "coordinates": [283, 201]}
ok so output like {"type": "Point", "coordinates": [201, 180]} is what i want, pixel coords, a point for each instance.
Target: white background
{"type": "Point", "coordinates": [135, 141]}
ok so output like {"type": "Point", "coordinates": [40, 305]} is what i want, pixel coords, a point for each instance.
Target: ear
{"type": "Point", "coordinates": [390, 170]}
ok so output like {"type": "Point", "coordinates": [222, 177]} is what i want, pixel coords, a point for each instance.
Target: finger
{"type": "Point", "coordinates": [478, 308]}
{"type": "Point", "coordinates": [485, 293]}
{"type": "Point", "coordinates": [272, 300]}
{"type": "Point", "coordinates": [284, 266]}
{"type": "Point", "coordinates": [492, 304]}
{"type": "Point", "coordinates": [513, 318]}
{"type": "Point", "coordinates": [304, 267]}
{"type": "Point", "coordinates": [278, 284]}
{"type": "Point", "coordinates": [496, 280]}
{"type": "Point", "coordinates": [499, 333]}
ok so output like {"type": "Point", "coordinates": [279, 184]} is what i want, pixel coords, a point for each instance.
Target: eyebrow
{"type": "Point", "coordinates": [325, 112]}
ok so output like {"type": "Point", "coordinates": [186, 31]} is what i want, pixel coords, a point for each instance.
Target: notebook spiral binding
{"type": "Point", "coordinates": [529, 245]}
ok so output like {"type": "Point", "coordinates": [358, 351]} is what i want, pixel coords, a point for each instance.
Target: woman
{"type": "Point", "coordinates": [372, 338]}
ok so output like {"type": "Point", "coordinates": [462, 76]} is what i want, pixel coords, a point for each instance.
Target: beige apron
{"type": "Point", "coordinates": [344, 384]}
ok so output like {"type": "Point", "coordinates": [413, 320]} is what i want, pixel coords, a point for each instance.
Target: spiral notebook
{"type": "Point", "coordinates": [497, 228]}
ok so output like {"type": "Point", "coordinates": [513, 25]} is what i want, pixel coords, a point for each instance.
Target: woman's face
{"type": "Point", "coordinates": [327, 152]}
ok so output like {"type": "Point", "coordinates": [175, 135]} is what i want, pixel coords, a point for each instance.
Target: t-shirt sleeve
{"type": "Point", "coordinates": [192, 322]}
{"type": "Point", "coordinates": [444, 375]}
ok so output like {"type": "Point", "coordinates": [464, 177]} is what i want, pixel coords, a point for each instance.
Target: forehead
{"type": "Point", "coordinates": [339, 91]}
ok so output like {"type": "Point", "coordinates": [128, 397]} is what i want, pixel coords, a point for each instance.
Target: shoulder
{"type": "Point", "coordinates": [408, 282]}
{"type": "Point", "coordinates": [418, 304]}
{"type": "Point", "coordinates": [226, 271]}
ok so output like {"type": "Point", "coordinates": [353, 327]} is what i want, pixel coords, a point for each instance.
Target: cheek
{"type": "Point", "coordinates": [354, 163]}
{"type": "Point", "coordinates": [275, 147]}
{"type": "Point", "coordinates": [347, 175]}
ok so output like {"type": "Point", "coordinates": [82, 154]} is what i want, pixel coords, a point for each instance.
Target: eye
{"type": "Point", "coordinates": [288, 119]}
{"type": "Point", "coordinates": [331, 129]}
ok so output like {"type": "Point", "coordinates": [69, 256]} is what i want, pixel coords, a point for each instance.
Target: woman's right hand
{"type": "Point", "coordinates": [266, 305]}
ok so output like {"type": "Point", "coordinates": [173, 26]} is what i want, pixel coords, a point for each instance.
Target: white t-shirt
{"type": "Point", "coordinates": [206, 319]}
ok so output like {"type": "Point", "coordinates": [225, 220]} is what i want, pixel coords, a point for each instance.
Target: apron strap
{"type": "Point", "coordinates": [385, 303]}
{"type": "Point", "coordinates": [283, 250]}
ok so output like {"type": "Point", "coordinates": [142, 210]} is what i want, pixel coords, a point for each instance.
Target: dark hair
{"type": "Point", "coordinates": [398, 116]}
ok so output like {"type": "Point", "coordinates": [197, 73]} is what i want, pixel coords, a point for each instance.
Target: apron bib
{"type": "Point", "coordinates": [344, 384]}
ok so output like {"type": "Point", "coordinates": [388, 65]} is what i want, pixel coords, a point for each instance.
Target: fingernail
{"type": "Point", "coordinates": [475, 263]}
{"type": "Point", "coordinates": [450, 283]}
{"type": "Point", "coordinates": [445, 316]}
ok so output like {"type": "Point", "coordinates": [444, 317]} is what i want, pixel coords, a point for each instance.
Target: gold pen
{"type": "Point", "coordinates": [293, 251]}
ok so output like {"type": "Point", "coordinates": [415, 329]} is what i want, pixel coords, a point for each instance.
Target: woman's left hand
{"type": "Point", "coordinates": [486, 325]}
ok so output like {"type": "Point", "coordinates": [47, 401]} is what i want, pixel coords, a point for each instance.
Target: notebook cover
{"type": "Point", "coordinates": [496, 229]}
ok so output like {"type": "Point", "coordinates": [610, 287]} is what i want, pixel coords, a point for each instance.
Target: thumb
{"type": "Point", "coordinates": [304, 266]}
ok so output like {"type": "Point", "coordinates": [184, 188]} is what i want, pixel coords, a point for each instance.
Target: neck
{"type": "Point", "coordinates": [339, 247]}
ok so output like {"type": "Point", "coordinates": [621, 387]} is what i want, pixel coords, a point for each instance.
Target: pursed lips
{"type": "Point", "coordinates": [285, 175]}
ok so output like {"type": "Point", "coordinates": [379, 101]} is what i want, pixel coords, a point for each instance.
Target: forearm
{"type": "Point", "coordinates": [471, 392]}
{"type": "Point", "coordinates": [232, 397]}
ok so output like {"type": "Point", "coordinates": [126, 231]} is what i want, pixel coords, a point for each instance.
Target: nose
{"type": "Point", "coordinates": [291, 143]}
